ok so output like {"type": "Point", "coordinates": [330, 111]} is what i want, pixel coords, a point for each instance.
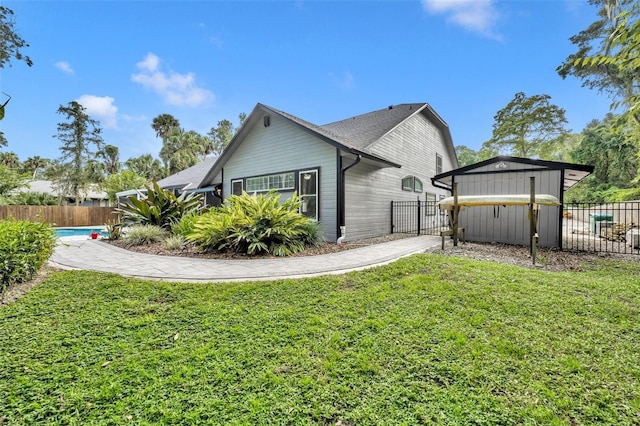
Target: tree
{"type": "Point", "coordinates": [34, 164]}
{"type": "Point", "coordinates": [613, 155]}
{"type": "Point", "coordinates": [122, 181]}
{"type": "Point", "coordinates": [608, 54]}
{"type": "Point", "coordinates": [221, 136]}
{"type": "Point", "coordinates": [110, 154]}
{"type": "Point", "coordinates": [147, 166]}
{"type": "Point", "coordinates": [223, 133]}
{"type": "Point", "coordinates": [77, 135]}
{"type": "Point", "coordinates": [466, 155]}
{"type": "Point", "coordinates": [181, 149]}
{"type": "Point", "coordinates": [3, 140]}
{"type": "Point", "coordinates": [10, 159]}
{"type": "Point", "coordinates": [163, 124]}
{"type": "Point", "coordinates": [528, 127]}
{"type": "Point", "coordinates": [11, 179]}
{"type": "Point", "coordinates": [10, 42]}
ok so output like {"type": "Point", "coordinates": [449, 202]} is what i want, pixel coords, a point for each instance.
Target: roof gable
{"type": "Point", "coordinates": [573, 173]}
{"type": "Point", "coordinates": [354, 135]}
{"type": "Point", "coordinates": [366, 129]}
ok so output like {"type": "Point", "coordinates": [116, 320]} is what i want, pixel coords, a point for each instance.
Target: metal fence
{"type": "Point", "coordinates": [605, 228]}
{"type": "Point", "coordinates": [417, 217]}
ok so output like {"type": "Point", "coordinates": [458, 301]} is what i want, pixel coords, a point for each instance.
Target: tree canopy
{"type": "Point", "coordinates": [78, 134]}
{"type": "Point", "coordinates": [529, 126]}
{"type": "Point", "coordinates": [11, 44]}
{"type": "Point", "coordinates": [608, 56]}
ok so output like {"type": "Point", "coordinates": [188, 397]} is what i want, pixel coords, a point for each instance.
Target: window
{"type": "Point", "coordinates": [438, 164]}
{"type": "Point", "coordinates": [308, 190]}
{"type": "Point", "coordinates": [431, 205]}
{"type": "Point", "coordinates": [236, 187]}
{"type": "Point", "coordinates": [411, 183]}
{"type": "Point", "coordinates": [417, 185]}
{"type": "Point", "coordinates": [407, 183]}
{"type": "Point", "coordinates": [280, 181]}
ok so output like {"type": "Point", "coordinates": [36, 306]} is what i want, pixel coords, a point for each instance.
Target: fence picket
{"type": "Point", "coordinates": [61, 216]}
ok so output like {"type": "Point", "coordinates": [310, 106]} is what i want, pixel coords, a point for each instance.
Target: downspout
{"type": "Point", "coordinates": [343, 171]}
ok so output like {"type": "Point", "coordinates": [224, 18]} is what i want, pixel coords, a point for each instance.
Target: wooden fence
{"type": "Point", "coordinates": [60, 215]}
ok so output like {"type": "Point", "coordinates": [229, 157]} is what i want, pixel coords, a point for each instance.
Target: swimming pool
{"type": "Point", "coordinates": [76, 232]}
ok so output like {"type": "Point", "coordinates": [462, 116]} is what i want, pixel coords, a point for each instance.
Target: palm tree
{"type": "Point", "coordinates": [9, 159]}
{"type": "Point", "coordinates": [163, 124]}
{"type": "Point", "coordinates": [147, 166]}
{"type": "Point", "coordinates": [34, 164]}
{"type": "Point", "coordinates": [111, 156]}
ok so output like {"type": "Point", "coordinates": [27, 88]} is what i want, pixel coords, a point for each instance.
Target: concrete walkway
{"type": "Point", "coordinates": [95, 255]}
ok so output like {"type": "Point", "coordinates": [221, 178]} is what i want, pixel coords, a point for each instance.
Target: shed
{"type": "Point", "coordinates": [505, 175]}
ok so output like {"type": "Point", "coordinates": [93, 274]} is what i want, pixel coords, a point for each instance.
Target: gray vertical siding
{"type": "Point", "coordinates": [283, 147]}
{"type": "Point", "coordinates": [370, 189]}
{"type": "Point", "coordinates": [510, 224]}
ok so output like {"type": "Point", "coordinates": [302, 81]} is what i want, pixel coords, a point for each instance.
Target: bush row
{"type": "Point", "coordinates": [248, 224]}
{"type": "Point", "coordinates": [24, 248]}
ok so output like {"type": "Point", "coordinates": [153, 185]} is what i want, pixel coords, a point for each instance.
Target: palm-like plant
{"type": "Point", "coordinates": [160, 207]}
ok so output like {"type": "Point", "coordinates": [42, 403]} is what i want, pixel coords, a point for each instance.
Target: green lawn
{"type": "Point", "coordinates": [426, 340]}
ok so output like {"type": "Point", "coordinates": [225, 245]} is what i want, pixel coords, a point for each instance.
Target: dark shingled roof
{"type": "Point", "coordinates": [192, 176]}
{"type": "Point", "coordinates": [365, 129]}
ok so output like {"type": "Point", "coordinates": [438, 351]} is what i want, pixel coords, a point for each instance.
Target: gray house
{"type": "Point", "coordinates": [505, 176]}
{"type": "Point", "coordinates": [347, 172]}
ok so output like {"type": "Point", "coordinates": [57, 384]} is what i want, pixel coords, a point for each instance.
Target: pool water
{"type": "Point", "coordinates": [75, 232]}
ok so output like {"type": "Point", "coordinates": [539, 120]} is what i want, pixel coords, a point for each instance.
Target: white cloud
{"type": "Point", "coordinates": [101, 107]}
{"type": "Point", "coordinates": [127, 117]}
{"type": "Point", "coordinates": [64, 67]}
{"type": "Point", "coordinates": [344, 81]}
{"type": "Point", "coordinates": [176, 89]}
{"type": "Point", "coordinates": [478, 16]}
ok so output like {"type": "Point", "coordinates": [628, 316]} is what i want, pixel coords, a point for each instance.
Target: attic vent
{"type": "Point", "coordinates": [390, 106]}
{"type": "Point", "coordinates": [501, 165]}
{"type": "Point", "coordinates": [266, 120]}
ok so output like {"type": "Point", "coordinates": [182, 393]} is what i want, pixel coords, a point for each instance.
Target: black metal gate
{"type": "Point", "coordinates": [417, 217]}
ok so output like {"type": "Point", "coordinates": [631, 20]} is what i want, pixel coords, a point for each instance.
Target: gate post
{"type": "Point", "coordinates": [419, 224]}
{"type": "Point", "coordinates": [392, 216]}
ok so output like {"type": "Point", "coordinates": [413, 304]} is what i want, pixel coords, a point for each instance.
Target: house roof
{"type": "Point", "coordinates": [573, 173]}
{"type": "Point", "coordinates": [190, 178]}
{"type": "Point", "coordinates": [355, 135]}
{"type": "Point", "coordinates": [47, 187]}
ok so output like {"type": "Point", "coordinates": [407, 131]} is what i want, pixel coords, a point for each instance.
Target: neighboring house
{"type": "Point", "coordinates": [192, 180]}
{"type": "Point", "coordinates": [506, 175]}
{"type": "Point", "coordinates": [94, 197]}
{"type": "Point", "coordinates": [347, 172]}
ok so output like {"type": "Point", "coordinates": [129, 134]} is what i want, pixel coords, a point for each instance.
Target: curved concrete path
{"type": "Point", "coordinates": [95, 255]}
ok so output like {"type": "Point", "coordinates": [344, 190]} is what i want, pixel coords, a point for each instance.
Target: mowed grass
{"type": "Point", "coordinates": [426, 340]}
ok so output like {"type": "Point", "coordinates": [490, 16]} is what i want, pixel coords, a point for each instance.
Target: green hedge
{"type": "Point", "coordinates": [24, 248]}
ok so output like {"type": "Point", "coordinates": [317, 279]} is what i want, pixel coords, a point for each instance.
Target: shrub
{"type": "Point", "coordinates": [256, 224]}
{"type": "Point", "coordinates": [114, 229]}
{"type": "Point", "coordinates": [174, 242]}
{"type": "Point", "coordinates": [24, 248]}
{"type": "Point", "coordinates": [144, 234]}
{"type": "Point", "coordinates": [184, 226]}
{"type": "Point", "coordinates": [160, 207]}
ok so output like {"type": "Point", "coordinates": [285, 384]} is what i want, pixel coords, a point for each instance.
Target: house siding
{"type": "Point", "coordinates": [369, 189]}
{"type": "Point", "coordinates": [284, 147]}
{"type": "Point", "coordinates": [510, 224]}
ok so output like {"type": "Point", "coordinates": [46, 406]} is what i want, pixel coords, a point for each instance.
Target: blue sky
{"type": "Point", "coordinates": [204, 61]}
